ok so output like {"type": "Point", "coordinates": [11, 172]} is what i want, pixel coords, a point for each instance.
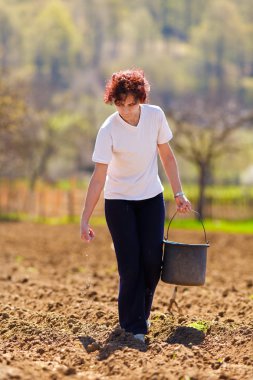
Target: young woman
{"type": "Point", "coordinates": [125, 157]}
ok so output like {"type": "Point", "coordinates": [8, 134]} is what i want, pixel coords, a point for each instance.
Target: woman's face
{"type": "Point", "coordinates": [128, 106]}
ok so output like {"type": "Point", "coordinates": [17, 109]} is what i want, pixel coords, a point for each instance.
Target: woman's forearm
{"type": "Point", "coordinates": [94, 190]}
{"type": "Point", "coordinates": [171, 169]}
{"type": "Point", "coordinates": [172, 172]}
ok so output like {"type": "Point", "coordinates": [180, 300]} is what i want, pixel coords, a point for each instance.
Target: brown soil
{"type": "Point", "coordinates": [58, 313]}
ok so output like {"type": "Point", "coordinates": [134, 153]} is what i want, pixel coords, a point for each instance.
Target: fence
{"type": "Point", "coordinates": [48, 201]}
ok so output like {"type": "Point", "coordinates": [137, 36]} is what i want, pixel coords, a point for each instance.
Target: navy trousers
{"type": "Point", "coordinates": [137, 229]}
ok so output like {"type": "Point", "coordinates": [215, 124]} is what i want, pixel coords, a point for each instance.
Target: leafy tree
{"type": "Point", "coordinates": [176, 18]}
{"type": "Point", "coordinates": [9, 38]}
{"type": "Point", "coordinates": [189, 49]}
{"type": "Point", "coordinates": [56, 42]}
{"type": "Point", "coordinates": [219, 43]}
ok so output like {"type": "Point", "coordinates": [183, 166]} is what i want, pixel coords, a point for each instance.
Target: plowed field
{"type": "Point", "coordinates": [58, 311]}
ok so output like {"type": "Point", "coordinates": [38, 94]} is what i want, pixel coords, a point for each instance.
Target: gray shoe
{"type": "Point", "coordinates": [140, 337]}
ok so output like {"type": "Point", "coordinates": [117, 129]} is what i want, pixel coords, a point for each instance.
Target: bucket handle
{"type": "Point", "coordinates": [207, 242]}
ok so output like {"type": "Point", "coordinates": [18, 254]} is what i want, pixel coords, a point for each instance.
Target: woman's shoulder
{"type": "Point", "coordinates": [151, 108]}
{"type": "Point", "coordinates": [153, 111]}
{"type": "Point", "coordinates": [109, 121]}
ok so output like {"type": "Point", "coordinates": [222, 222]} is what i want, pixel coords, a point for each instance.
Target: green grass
{"type": "Point", "coordinates": [245, 227]}
{"type": "Point", "coordinates": [217, 193]}
{"type": "Point", "coordinates": [200, 326]}
{"type": "Point", "coordinates": [11, 217]}
{"type": "Point", "coordinates": [19, 217]}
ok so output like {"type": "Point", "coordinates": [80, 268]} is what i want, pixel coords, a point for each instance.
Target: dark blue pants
{"type": "Point", "coordinates": [137, 229]}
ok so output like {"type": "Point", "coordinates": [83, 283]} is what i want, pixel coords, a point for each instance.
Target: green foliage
{"type": "Point", "coordinates": [65, 50]}
{"type": "Point", "coordinates": [197, 45]}
{"type": "Point", "coordinates": [200, 325]}
{"type": "Point", "coordinates": [221, 44]}
{"type": "Point", "coordinates": [247, 89]}
{"type": "Point", "coordinates": [60, 49]}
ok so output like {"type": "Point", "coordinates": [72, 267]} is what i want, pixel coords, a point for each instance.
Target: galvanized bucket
{"type": "Point", "coordinates": [183, 263]}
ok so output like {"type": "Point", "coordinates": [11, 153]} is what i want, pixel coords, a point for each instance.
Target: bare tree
{"type": "Point", "coordinates": [27, 138]}
{"type": "Point", "coordinates": [12, 125]}
{"type": "Point", "coordinates": [40, 146]}
{"type": "Point", "coordinates": [203, 136]}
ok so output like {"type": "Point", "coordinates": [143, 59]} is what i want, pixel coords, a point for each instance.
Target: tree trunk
{"type": "Point", "coordinates": [203, 179]}
{"type": "Point", "coordinates": [40, 170]}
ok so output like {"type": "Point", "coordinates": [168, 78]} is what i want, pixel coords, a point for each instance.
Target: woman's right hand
{"type": "Point", "coordinates": [87, 234]}
{"type": "Point", "coordinates": [93, 193]}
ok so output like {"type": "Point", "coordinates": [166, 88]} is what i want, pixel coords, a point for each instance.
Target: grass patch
{"type": "Point", "coordinates": [158, 316]}
{"type": "Point", "coordinates": [98, 221]}
{"type": "Point", "coordinates": [200, 326]}
{"type": "Point", "coordinates": [12, 217]}
{"type": "Point", "coordinates": [217, 193]}
{"type": "Point", "coordinates": [245, 226]}
{"type": "Point", "coordinates": [19, 217]}
{"type": "Point", "coordinates": [19, 259]}
{"type": "Point", "coordinates": [54, 221]}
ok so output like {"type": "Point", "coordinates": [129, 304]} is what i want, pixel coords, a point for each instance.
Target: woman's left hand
{"type": "Point", "coordinates": [183, 204]}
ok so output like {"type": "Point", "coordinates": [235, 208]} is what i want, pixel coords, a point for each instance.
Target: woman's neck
{"type": "Point", "coordinates": [132, 119]}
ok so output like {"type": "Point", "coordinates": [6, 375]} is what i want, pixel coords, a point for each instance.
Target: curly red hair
{"type": "Point", "coordinates": [123, 83]}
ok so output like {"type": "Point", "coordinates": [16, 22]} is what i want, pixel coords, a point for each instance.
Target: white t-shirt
{"type": "Point", "coordinates": [131, 154]}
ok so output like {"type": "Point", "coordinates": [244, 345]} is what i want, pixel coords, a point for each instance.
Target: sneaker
{"type": "Point", "coordinates": [148, 323]}
{"type": "Point", "coordinates": [140, 337]}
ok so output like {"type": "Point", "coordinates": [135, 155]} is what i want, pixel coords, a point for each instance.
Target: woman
{"type": "Point", "coordinates": [125, 157]}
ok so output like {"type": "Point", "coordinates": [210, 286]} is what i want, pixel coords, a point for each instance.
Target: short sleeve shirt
{"type": "Point", "coordinates": [131, 154]}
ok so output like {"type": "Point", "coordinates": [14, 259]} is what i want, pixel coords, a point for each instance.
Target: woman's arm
{"type": "Point", "coordinates": [95, 188]}
{"type": "Point", "coordinates": [171, 169]}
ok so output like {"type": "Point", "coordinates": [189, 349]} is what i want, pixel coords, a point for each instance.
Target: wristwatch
{"type": "Point", "coordinates": [179, 194]}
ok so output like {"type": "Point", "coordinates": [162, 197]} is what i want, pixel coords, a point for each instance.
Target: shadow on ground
{"type": "Point", "coordinates": [188, 336]}
{"type": "Point", "coordinates": [117, 340]}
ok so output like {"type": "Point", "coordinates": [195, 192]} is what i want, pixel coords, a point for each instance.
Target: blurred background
{"type": "Point", "coordinates": [55, 58]}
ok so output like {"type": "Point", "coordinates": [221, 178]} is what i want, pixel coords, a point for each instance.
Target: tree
{"type": "Point", "coordinates": [203, 136]}
{"type": "Point", "coordinates": [9, 36]}
{"type": "Point", "coordinates": [56, 43]}
{"type": "Point", "coordinates": [219, 47]}
{"type": "Point", "coordinates": [13, 112]}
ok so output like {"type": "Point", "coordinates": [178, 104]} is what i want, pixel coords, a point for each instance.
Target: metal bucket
{"type": "Point", "coordinates": [184, 264]}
